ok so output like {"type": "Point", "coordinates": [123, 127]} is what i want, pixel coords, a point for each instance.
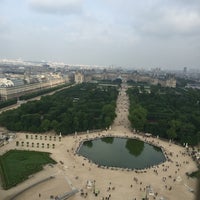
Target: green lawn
{"type": "Point", "coordinates": [17, 165]}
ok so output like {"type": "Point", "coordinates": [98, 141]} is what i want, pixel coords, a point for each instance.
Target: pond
{"type": "Point", "coordinates": [121, 153]}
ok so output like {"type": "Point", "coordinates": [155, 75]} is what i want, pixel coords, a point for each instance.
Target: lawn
{"type": "Point", "coordinates": [17, 165]}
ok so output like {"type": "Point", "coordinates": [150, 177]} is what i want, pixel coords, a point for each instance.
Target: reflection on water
{"type": "Point", "coordinates": [88, 143]}
{"type": "Point", "coordinates": [121, 152]}
{"type": "Point", "coordinates": [108, 140]}
{"type": "Point", "coordinates": [135, 147]}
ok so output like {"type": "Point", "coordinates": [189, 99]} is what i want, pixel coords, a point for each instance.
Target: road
{"type": "Point", "coordinates": [122, 110]}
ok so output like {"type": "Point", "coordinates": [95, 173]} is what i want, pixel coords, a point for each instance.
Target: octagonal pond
{"type": "Point", "coordinates": [121, 153]}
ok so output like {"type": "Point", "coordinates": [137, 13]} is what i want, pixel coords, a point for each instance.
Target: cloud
{"type": "Point", "coordinates": [145, 32]}
{"type": "Point", "coordinates": [63, 7]}
{"type": "Point", "coordinates": [184, 21]}
{"type": "Point", "coordinates": [168, 21]}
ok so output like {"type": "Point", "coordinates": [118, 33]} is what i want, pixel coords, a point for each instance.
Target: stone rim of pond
{"type": "Point", "coordinates": [122, 168]}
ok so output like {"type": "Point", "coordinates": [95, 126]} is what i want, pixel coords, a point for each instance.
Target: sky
{"type": "Point", "coordinates": [126, 33]}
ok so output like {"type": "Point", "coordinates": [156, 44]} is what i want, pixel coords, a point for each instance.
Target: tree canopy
{"type": "Point", "coordinates": [79, 108]}
{"type": "Point", "coordinates": [172, 113]}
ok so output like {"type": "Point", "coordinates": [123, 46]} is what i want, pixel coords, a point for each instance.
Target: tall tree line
{"type": "Point", "coordinates": [80, 108]}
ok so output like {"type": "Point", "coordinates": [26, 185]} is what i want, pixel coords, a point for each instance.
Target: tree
{"type": "Point", "coordinates": [172, 131]}
{"type": "Point", "coordinates": [187, 133]}
{"type": "Point", "coordinates": [138, 117]}
{"type": "Point", "coordinates": [55, 126]}
{"type": "Point", "coordinates": [108, 121]}
{"type": "Point", "coordinates": [171, 112]}
{"type": "Point", "coordinates": [85, 106]}
{"type": "Point", "coordinates": [45, 125]}
{"type": "Point", "coordinates": [30, 122]}
{"type": "Point", "coordinates": [76, 123]}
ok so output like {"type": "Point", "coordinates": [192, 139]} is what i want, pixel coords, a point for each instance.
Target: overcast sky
{"type": "Point", "coordinates": [135, 33]}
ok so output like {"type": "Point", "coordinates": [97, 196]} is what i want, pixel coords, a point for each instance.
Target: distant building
{"type": "Point", "coordinates": [165, 80]}
{"type": "Point", "coordinates": [171, 82]}
{"type": "Point", "coordinates": [79, 77]}
{"type": "Point", "coordinates": [185, 70]}
{"type": "Point", "coordinates": [4, 82]}
{"type": "Point", "coordinates": [16, 88]}
{"type": "Point", "coordinates": [17, 82]}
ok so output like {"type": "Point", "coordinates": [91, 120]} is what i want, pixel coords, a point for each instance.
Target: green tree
{"type": "Point", "coordinates": [45, 125]}
{"type": "Point", "coordinates": [171, 132]}
{"type": "Point", "coordinates": [174, 127]}
{"type": "Point", "coordinates": [76, 123]}
{"type": "Point", "coordinates": [85, 106]}
{"type": "Point", "coordinates": [108, 121]}
{"type": "Point", "coordinates": [138, 117]}
{"type": "Point", "coordinates": [187, 133]}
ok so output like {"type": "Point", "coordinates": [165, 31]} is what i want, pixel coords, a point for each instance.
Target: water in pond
{"type": "Point", "coordinates": [121, 152]}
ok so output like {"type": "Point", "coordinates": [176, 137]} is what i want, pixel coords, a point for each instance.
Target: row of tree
{"type": "Point", "coordinates": [172, 113]}
{"type": "Point", "coordinates": [8, 102]}
{"type": "Point", "coordinates": [13, 101]}
{"type": "Point", "coordinates": [42, 92]}
{"type": "Point", "coordinates": [79, 108]}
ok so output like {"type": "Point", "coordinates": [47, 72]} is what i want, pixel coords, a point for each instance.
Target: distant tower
{"type": "Point", "coordinates": [185, 70]}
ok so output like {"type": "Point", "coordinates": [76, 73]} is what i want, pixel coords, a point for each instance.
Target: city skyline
{"type": "Point", "coordinates": [145, 34]}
